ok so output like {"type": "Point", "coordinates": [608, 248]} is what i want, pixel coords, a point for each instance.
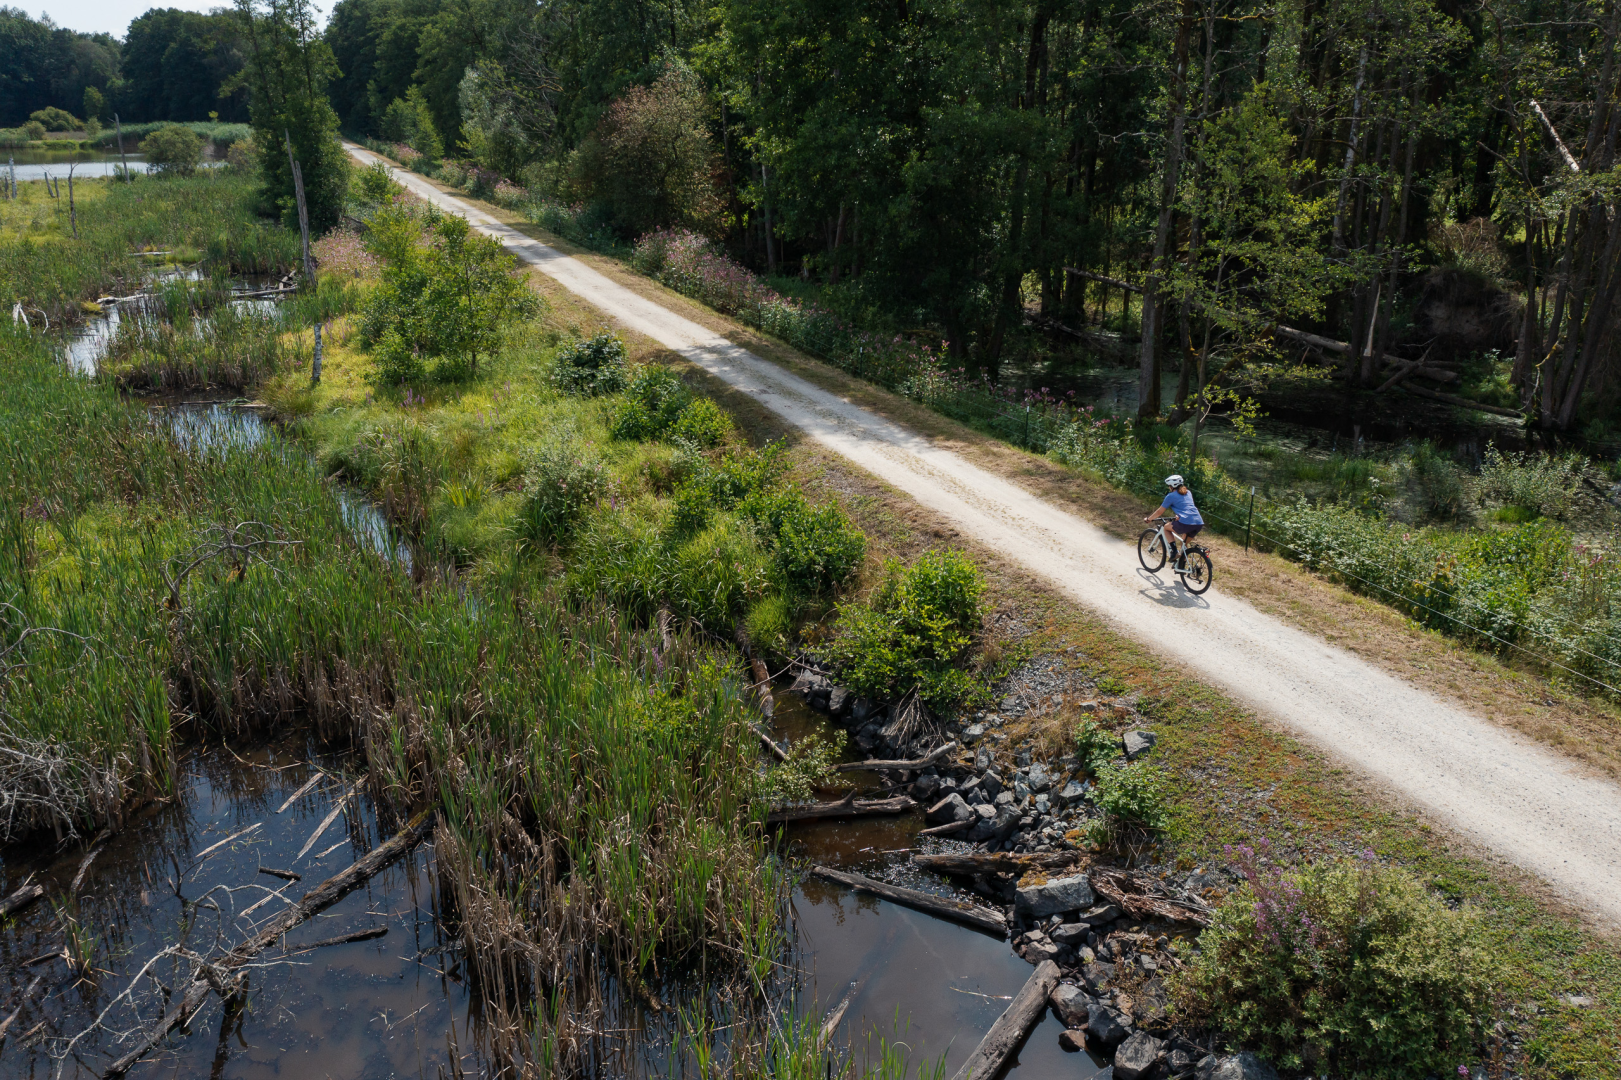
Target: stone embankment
{"type": "Point", "coordinates": [1012, 825]}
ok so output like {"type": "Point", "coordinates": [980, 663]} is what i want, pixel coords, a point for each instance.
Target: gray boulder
{"type": "Point", "coordinates": [1100, 915]}
{"type": "Point", "coordinates": [924, 787]}
{"type": "Point", "coordinates": [949, 810]}
{"type": "Point", "coordinates": [1040, 779]}
{"type": "Point", "coordinates": [1097, 976]}
{"type": "Point", "coordinates": [1137, 1056]}
{"type": "Point", "coordinates": [1004, 799]}
{"type": "Point", "coordinates": [1071, 1005]}
{"type": "Point", "coordinates": [861, 710]}
{"type": "Point", "coordinates": [1071, 934]}
{"type": "Point", "coordinates": [1245, 1066]}
{"type": "Point", "coordinates": [1072, 1040]}
{"type": "Point", "coordinates": [838, 701]}
{"type": "Point", "coordinates": [972, 734]}
{"type": "Point", "coordinates": [986, 811]}
{"type": "Point", "coordinates": [983, 759]}
{"type": "Point", "coordinates": [1073, 793]}
{"type": "Point", "coordinates": [810, 682]}
{"type": "Point", "coordinates": [992, 783]}
{"type": "Point", "coordinates": [1182, 1062]}
{"type": "Point", "coordinates": [1138, 743]}
{"type": "Point", "coordinates": [1107, 1026]}
{"type": "Point", "coordinates": [1055, 897]}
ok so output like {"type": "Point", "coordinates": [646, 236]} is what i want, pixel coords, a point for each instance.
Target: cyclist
{"type": "Point", "coordinates": [1179, 504]}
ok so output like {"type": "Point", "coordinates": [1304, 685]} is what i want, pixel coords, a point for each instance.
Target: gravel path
{"type": "Point", "coordinates": [1490, 785]}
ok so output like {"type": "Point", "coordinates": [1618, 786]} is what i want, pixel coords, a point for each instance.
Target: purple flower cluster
{"type": "Point", "coordinates": [1280, 904]}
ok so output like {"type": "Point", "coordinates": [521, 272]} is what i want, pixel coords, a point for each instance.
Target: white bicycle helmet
{"type": "Point", "coordinates": [1174, 480]}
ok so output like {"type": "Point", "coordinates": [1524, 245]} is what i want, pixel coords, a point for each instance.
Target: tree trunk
{"type": "Point", "coordinates": [1148, 396]}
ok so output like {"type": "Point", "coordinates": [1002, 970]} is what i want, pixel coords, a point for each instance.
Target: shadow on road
{"type": "Point", "coordinates": [1168, 593]}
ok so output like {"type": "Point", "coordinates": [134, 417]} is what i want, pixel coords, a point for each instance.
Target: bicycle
{"type": "Point", "coordinates": [1153, 548]}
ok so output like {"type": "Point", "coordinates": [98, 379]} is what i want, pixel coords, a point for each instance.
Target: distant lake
{"type": "Point", "coordinates": [37, 164]}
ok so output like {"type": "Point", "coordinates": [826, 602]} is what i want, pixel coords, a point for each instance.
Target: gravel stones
{"type": "Point", "coordinates": [1138, 743]}
{"type": "Point", "coordinates": [1055, 897]}
{"type": "Point", "coordinates": [1137, 1056]}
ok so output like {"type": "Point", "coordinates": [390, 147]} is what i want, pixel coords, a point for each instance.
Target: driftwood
{"type": "Point", "coordinates": [849, 806]}
{"type": "Point", "coordinates": [980, 918]}
{"type": "Point", "coordinates": [1011, 1028]}
{"type": "Point", "coordinates": [770, 744]}
{"type": "Point", "coordinates": [21, 898]}
{"type": "Point", "coordinates": [318, 899]}
{"type": "Point", "coordinates": [971, 865]}
{"type": "Point", "coordinates": [948, 829]}
{"type": "Point", "coordinates": [1462, 403]}
{"type": "Point", "coordinates": [33, 988]}
{"type": "Point", "coordinates": [294, 797]}
{"type": "Point", "coordinates": [341, 939]}
{"type": "Point", "coordinates": [1143, 897]}
{"type": "Point", "coordinates": [919, 763]}
{"type": "Point", "coordinates": [330, 818]}
{"type": "Point", "coordinates": [285, 875]}
{"type": "Point", "coordinates": [835, 1015]}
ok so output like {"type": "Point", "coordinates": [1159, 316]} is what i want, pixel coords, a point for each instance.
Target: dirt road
{"type": "Point", "coordinates": [1498, 789]}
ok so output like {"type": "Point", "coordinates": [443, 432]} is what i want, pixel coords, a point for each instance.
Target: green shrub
{"type": "Point", "coordinates": [702, 424]}
{"type": "Point", "coordinates": [1136, 796]}
{"type": "Point", "coordinates": [243, 156]}
{"type": "Point", "coordinates": [1435, 481]}
{"type": "Point", "coordinates": [770, 624]}
{"type": "Point", "coordinates": [1348, 968]}
{"type": "Point", "coordinates": [375, 183]}
{"type": "Point", "coordinates": [409, 120]}
{"type": "Point", "coordinates": [1095, 746]}
{"type": "Point", "coordinates": [810, 765]}
{"type": "Point", "coordinates": [1540, 482]}
{"type": "Point", "coordinates": [35, 130]}
{"type": "Point", "coordinates": [817, 548]}
{"type": "Point", "coordinates": [591, 367]}
{"type": "Point", "coordinates": [562, 483]}
{"type": "Point", "coordinates": [54, 119]}
{"type": "Point", "coordinates": [172, 150]}
{"type": "Point", "coordinates": [913, 633]}
{"type": "Point", "coordinates": [654, 399]}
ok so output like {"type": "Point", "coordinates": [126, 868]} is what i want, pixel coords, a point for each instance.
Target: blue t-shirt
{"type": "Point", "coordinates": [1182, 506]}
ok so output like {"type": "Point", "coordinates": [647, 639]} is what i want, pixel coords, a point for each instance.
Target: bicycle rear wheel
{"type": "Point", "coordinates": [1151, 550]}
{"type": "Point", "coordinates": [1200, 571]}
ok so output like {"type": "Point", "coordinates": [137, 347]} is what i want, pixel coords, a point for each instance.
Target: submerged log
{"type": "Point", "coordinates": [27, 995]}
{"type": "Point", "coordinates": [1010, 1029]}
{"type": "Point", "coordinates": [948, 829]}
{"type": "Point", "coordinates": [980, 918]}
{"type": "Point", "coordinates": [971, 865]}
{"type": "Point", "coordinates": [849, 806]}
{"type": "Point", "coordinates": [21, 898]}
{"type": "Point", "coordinates": [318, 899]}
{"type": "Point", "coordinates": [917, 763]}
{"type": "Point", "coordinates": [341, 939]}
{"type": "Point", "coordinates": [1462, 403]}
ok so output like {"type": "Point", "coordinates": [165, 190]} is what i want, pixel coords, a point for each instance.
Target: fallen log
{"type": "Point", "coordinates": [948, 829]}
{"type": "Point", "coordinates": [849, 806]}
{"type": "Point", "coordinates": [1462, 403]}
{"type": "Point", "coordinates": [972, 865]}
{"type": "Point", "coordinates": [1142, 897]}
{"type": "Point", "coordinates": [770, 744]}
{"type": "Point", "coordinates": [1011, 1028]}
{"type": "Point", "coordinates": [341, 939]}
{"type": "Point", "coordinates": [835, 1015]}
{"type": "Point", "coordinates": [318, 899]}
{"type": "Point", "coordinates": [21, 898]}
{"type": "Point", "coordinates": [980, 918]}
{"type": "Point", "coordinates": [919, 763]}
{"type": "Point", "coordinates": [1104, 278]}
{"type": "Point", "coordinates": [286, 875]}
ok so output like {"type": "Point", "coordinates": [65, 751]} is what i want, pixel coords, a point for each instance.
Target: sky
{"type": "Point", "coordinates": [114, 16]}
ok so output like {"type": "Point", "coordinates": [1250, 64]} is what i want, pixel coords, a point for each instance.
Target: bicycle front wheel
{"type": "Point", "coordinates": [1151, 550]}
{"type": "Point", "coordinates": [1200, 571]}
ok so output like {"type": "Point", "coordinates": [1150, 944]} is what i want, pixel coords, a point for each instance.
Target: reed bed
{"type": "Point", "coordinates": [598, 789]}
{"type": "Point", "coordinates": [208, 217]}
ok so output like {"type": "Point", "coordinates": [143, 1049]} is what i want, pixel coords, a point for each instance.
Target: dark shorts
{"type": "Point", "coordinates": [1186, 532]}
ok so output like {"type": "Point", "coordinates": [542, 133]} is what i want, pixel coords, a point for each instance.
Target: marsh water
{"type": "Point", "coordinates": [185, 873]}
{"type": "Point", "coordinates": [86, 164]}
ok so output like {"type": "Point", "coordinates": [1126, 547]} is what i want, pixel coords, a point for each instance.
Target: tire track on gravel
{"type": "Point", "coordinates": [1492, 786]}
